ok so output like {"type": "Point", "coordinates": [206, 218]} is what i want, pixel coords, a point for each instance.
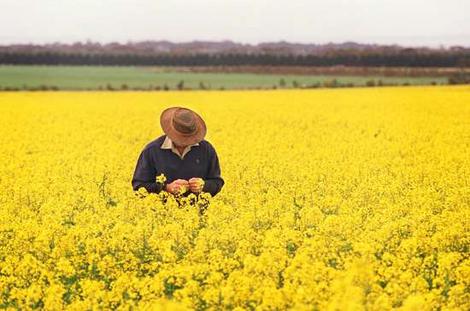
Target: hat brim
{"type": "Point", "coordinates": [166, 122]}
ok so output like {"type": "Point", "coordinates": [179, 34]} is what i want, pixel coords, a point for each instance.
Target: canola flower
{"type": "Point", "coordinates": [160, 178]}
{"type": "Point", "coordinates": [338, 199]}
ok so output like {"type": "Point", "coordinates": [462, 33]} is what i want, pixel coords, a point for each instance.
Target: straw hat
{"type": "Point", "coordinates": [182, 125]}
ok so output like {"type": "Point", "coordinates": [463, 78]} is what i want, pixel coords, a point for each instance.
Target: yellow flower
{"type": "Point", "coordinates": [141, 192]}
{"type": "Point", "coordinates": [161, 178]}
{"type": "Point", "coordinates": [334, 199]}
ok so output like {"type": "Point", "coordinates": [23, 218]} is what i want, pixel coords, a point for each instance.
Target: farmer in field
{"type": "Point", "coordinates": [189, 163]}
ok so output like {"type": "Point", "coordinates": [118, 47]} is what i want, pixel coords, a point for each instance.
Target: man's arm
{"type": "Point", "coordinates": [145, 174]}
{"type": "Point", "coordinates": [213, 182]}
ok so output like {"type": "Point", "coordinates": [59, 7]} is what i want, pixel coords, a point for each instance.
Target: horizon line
{"type": "Point", "coordinates": [320, 42]}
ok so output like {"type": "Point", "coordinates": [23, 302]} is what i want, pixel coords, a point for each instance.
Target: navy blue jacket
{"type": "Point", "coordinates": [201, 161]}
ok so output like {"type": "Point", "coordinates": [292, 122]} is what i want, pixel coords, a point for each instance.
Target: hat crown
{"type": "Point", "coordinates": [182, 125]}
{"type": "Point", "coordinates": [184, 121]}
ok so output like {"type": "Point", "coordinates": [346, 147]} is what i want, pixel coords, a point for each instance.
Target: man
{"type": "Point", "coordinates": [189, 163]}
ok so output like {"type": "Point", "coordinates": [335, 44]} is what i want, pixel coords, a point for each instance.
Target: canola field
{"type": "Point", "coordinates": [334, 199]}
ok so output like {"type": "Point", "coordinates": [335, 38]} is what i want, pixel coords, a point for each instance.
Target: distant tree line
{"type": "Point", "coordinates": [401, 58]}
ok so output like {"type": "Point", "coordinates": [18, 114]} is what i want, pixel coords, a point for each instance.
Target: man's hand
{"type": "Point", "coordinates": [196, 184]}
{"type": "Point", "coordinates": [177, 186]}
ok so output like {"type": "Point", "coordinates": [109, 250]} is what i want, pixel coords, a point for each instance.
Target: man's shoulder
{"type": "Point", "coordinates": [207, 145]}
{"type": "Point", "coordinates": [155, 144]}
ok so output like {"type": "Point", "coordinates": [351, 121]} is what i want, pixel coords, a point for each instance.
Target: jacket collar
{"type": "Point", "coordinates": [168, 144]}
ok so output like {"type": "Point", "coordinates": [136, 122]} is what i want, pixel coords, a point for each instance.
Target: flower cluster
{"type": "Point", "coordinates": [334, 199]}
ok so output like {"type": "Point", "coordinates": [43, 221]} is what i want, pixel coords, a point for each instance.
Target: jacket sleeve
{"type": "Point", "coordinates": [145, 174]}
{"type": "Point", "coordinates": [213, 182]}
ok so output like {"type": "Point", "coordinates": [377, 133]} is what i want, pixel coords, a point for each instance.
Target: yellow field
{"type": "Point", "coordinates": [334, 199]}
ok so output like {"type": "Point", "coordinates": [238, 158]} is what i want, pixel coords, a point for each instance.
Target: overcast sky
{"type": "Point", "coordinates": [406, 22]}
